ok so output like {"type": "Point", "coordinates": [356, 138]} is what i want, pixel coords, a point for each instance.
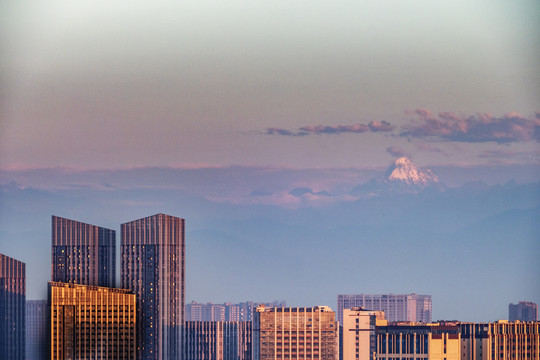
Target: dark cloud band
{"type": "Point", "coordinates": [373, 126]}
{"type": "Point", "coordinates": [511, 127]}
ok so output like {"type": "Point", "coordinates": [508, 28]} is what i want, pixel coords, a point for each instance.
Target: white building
{"type": "Point", "coordinates": [396, 307]}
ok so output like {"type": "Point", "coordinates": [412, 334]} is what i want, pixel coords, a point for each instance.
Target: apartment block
{"type": "Point", "coordinates": [418, 341]}
{"type": "Point", "coordinates": [91, 322]}
{"type": "Point", "coordinates": [523, 311]}
{"type": "Point", "coordinates": [501, 340]}
{"type": "Point", "coordinates": [295, 333]}
{"type": "Point", "coordinates": [217, 340]}
{"type": "Point", "coordinates": [243, 311]}
{"type": "Point", "coordinates": [396, 307]}
{"type": "Point", "coordinates": [358, 333]}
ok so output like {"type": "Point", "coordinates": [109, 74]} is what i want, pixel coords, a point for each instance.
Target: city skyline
{"type": "Point", "coordinates": [271, 129]}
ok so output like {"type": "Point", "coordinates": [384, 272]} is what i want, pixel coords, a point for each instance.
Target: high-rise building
{"type": "Point", "coordinates": [91, 322]}
{"type": "Point", "coordinates": [83, 253]}
{"type": "Point", "coordinates": [217, 340]}
{"type": "Point", "coordinates": [153, 263]}
{"type": "Point", "coordinates": [12, 308]}
{"type": "Point", "coordinates": [243, 311]}
{"type": "Point", "coordinates": [396, 307]}
{"type": "Point", "coordinates": [295, 333]}
{"type": "Point", "coordinates": [36, 329]}
{"type": "Point", "coordinates": [359, 338]}
{"type": "Point", "coordinates": [524, 311]}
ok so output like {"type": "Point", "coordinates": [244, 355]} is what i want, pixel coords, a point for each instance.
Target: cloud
{"type": "Point", "coordinates": [337, 129]}
{"type": "Point", "coordinates": [380, 126]}
{"type": "Point", "coordinates": [373, 126]}
{"type": "Point", "coordinates": [284, 132]}
{"type": "Point", "coordinates": [396, 151]}
{"type": "Point", "coordinates": [511, 127]}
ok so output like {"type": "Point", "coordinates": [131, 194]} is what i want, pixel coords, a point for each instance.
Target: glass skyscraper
{"type": "Point", "coordinates": [83, 253]}
{"type": "Point", "coordinates": [153, 263]}
{"type": "Point", "coordinates": [12, 308]}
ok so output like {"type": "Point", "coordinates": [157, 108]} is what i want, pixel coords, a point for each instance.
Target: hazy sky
{"type": "Point", "coordinates": [216, 111]}
{"type": "Point", "coordinates": [123, 84]}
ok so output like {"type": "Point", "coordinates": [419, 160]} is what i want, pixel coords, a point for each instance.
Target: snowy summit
{"type": "Point", "coordinates": [405, 171]}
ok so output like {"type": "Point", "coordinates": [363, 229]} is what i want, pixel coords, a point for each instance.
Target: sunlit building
{"type": "Point", "coordinates": [12, 308]}
{"type": "Point", "coordinates": [91, 322]}
{"type": "Point", "coordinates": [418, 341]}
{"type": "Point", "coordinates": [152, 255]}
{"type": "Point", "coordinates": [524, 311]}
{"type": "Point", "coordinates": [217, 340]}
{"type": "Point", "coordinates": [501, 340]}
{"type": "Point", "coordinates": [358, 332]}
{"type": "Point", "coordinates": [295, 333]}
{"type": "Point", "coordinates": [396, 307]}
{"type": "Point", "coordinates": [36, 329]}
{"type": "Point", "coordinates": [83, 253]}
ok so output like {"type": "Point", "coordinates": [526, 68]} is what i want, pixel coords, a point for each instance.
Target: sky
{"type": "Point", "coordinates": [228, 100]}
{"type": "Point", "coordinates": [100, 85]}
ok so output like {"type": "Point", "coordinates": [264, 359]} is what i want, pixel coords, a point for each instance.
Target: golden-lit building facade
{"type": "Point", "coordinates": [501, 340]}
{"type": "Point", "coordinates": [91, 322]}
{"type": "Point", "coordinates": [414, 341]}
{"type": "Point", "coordinates": [295, 333]}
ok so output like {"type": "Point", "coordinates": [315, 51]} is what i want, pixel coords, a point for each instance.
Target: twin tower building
{"type": "Point", "coordinates": [142, 317]}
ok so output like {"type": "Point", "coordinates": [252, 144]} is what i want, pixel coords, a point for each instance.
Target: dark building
{"type": "Point", "coordinates": [83, 253]}
{"type": "Point", "coordinates": [217, 340]}
{"type": "Point", "coordinates": [36, 329]}
{"type": "Point", "coordinates": [91, 322]}
{"type": "Point", "coordinates": [523, 311]}
{"type": "Point", "coordinates": [12, 308]}
{"type": "Point", "coordinates": [153, 263]}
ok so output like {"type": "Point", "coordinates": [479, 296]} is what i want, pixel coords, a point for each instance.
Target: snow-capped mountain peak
{"type": "Point", "coordinates": [405, 171]}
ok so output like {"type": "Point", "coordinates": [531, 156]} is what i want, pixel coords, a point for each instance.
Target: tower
{"type": "Point", "coordinates": [153, 264]}
{"type": "Point", "coordinates": [12, 308]}
{"type": "Point", "coordinates": [83, 253]}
